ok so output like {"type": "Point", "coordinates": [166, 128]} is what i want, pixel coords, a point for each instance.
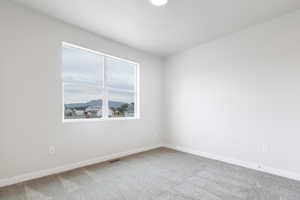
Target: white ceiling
{"type": "Point", "coordinates": [179, 25]}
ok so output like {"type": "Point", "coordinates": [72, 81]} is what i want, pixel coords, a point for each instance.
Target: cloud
{"type": "Point", "coordinates": [81, 67]}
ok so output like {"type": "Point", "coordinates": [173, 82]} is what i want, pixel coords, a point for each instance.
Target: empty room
{"type": "Point", "coordinates": [149, 100]}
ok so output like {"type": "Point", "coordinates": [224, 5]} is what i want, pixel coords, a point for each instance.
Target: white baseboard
{"type": "Point", "coordinates": [47, 172]}
{"type": "Point", "coordinates": [249, 165]}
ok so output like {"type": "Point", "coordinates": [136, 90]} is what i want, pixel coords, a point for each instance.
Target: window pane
{"type": "Point", "coordinates": [120, 74]}
{"type": "Point", "coordinates": [82, 102]}
{"type": "Point", "coordinates": [121, 104]}
{"type": "Point", "coordinates": [81, 66]}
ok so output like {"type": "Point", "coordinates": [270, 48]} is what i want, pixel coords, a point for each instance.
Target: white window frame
{"type": "Point", "coordinates": [105, 109]}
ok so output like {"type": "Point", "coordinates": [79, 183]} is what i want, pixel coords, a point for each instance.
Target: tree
{"type": "Point", "coordinates": [124, 107]}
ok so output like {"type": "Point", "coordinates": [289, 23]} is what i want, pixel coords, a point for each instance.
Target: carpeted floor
{"type": "Point", "coordinates": [161, 174]}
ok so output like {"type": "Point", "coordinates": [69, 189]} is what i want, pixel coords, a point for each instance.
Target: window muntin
{"type": "Point", "coordinates": [98, 86]}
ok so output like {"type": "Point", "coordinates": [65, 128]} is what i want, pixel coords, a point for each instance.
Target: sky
{"type": "Point", "coordinates": [86, 68]}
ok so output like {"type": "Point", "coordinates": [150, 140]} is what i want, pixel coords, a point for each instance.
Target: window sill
{"type": "Point", "coordinates": [99, 120]}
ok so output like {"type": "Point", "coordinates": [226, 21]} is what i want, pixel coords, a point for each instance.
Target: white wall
{"type": "Point", "coordinates": [232, 96]}
{"type": "Point", "coordinates": [31, 97]}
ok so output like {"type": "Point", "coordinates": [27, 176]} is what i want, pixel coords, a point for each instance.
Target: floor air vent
{"type": "Point", "coordinates": [115, 160]}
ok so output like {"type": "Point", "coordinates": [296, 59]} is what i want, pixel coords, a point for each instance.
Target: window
{"type": "Point", "coordinates": [98, 86]}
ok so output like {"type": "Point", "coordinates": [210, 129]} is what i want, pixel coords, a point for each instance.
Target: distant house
{"type": "Point", "coordinates": [79, 112]}
{"type": "Point", "coordinates": [94, 111]}
{"type": "Point", "coordinates": [69, 112]}
{"type": "Point", "coordinates": [99, 113]}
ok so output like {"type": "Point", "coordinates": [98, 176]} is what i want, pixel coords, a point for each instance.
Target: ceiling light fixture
{"type": "Point", "coordinates": [159, 2]}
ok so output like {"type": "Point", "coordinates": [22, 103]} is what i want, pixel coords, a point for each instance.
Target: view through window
{"type": "Point", "coordinates": [97, 86]}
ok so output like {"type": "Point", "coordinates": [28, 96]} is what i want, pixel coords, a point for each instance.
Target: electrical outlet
{"type": "Point", "coordinates": [265, 148]}
{"type": "Point", "coordinates": [52, 150]}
